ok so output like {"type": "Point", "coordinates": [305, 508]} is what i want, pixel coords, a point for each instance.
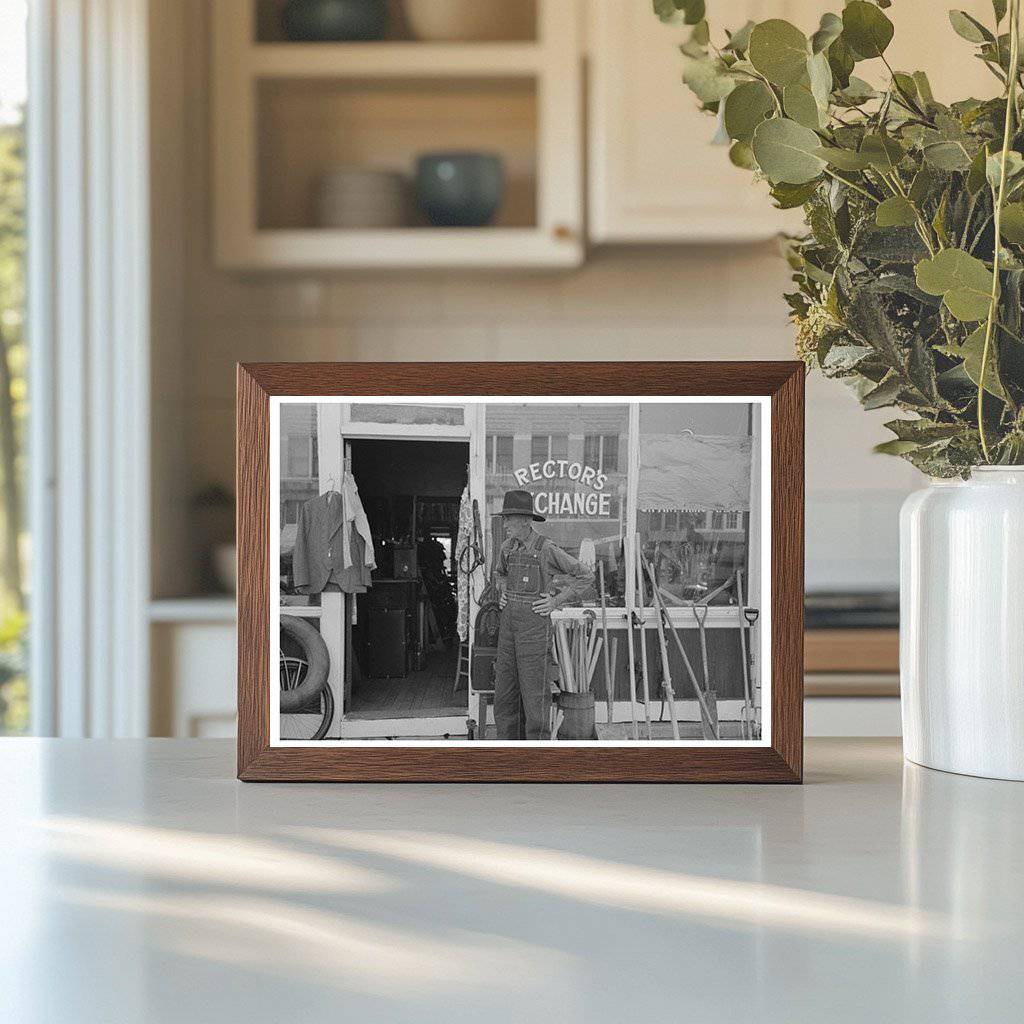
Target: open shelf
{"type": "Point", "coordinates": [309, 127]}
{"type": "Point", "coordinates": [287, 114]}
{"type": "Point", "coordinates": [393, 60]}
{"type": "Point", "coordinates": [520, 24]}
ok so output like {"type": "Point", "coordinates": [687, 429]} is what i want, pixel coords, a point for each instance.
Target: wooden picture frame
{"type": "Point", "coordinates": [778, 759]}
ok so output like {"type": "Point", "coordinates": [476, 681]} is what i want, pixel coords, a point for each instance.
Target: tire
{"type": "Point", "coordinates": [316, 656]}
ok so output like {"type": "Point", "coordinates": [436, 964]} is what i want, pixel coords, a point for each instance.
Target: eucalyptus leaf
{"type": "Point", "coordinates": [787, 152]}
{"type": "Point", "coordinates": [972, 351]}
{"type": "Point", "coordinates": [1012, 223]}
{"type": "Point", "coordinates": [969, 28]}
{"type": "Point", "coordinates": [895, 212]}
{"type": "Point", "coordinates": [923, 431]}
{"type": "Point", "coordinates": [779, 51]}
{"type": "Point", "coordinates": [739, 41]}
{"type": "Point", "coordinates": [866, 30]}
{"type": "Point", "coordinates": [701, 34]}
{"type": "Point", "coordinates": [741, 155]}
{"type": "Point", "coordinates": [993, 167]}
{"type": "Point", "coordinates": [745, 108]}
{"type": "Point", "coordinates": [819, 75]}
{"type": "Point", "coordinates": [895, 447]}
{"type": "Point", "coordinates": [690, 12]}
{"type": "Point", "coordinates": [788, 196]}
{"type": "Point", "coordinates": [976, 174]}
{"type": "Point", "coordinates": [883, 152]}
{"type": "Point", "coordinates": [963, 281]}
{"type": "Point", "coordinates": [829, 30]}
{"type": "Point", "coordinates": [947, 156]}
{"type": "Point", "coordinates": [708, 80]}
{"type": "Point", "coordinates": [844, 159]}
{"type": "Point", "coordinates": [841, 62]}
{"type": "Point", "coordinates": [857, 91]}
{"type": "Point", "coordinates": [922, 185]}
{"type": "Point", "coordinates": [884, 395]}
{"type": "Point", "coordinates": [924, 87]}
{"type": "Point", "coordinates": [801, 106]}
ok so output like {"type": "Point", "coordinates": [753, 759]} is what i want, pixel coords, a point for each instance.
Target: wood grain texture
{"type": "Point", "coordinates": [781, 762]}
{"type": "Point", "coordinates": [852, 650]}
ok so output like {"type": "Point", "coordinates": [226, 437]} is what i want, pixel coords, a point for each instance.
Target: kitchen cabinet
{"type": "Point", "coordinates": [286, 115]}
{"type": "Point", "coordinates": [653, 175]}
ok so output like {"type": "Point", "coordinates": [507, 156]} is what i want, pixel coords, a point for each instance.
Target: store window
{"type": "Point", "coordinates": [602, 451]}
{"type": "Point", "coordinates": [693, 496]}
{"type": "Point", "coordinates": [549, 446]}
{"type": "Point", "coordinates": [499, 453]}
{"type": "Point", "coordinates": [583, 500]}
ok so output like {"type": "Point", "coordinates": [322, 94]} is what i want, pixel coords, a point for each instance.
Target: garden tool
{"type": "Point", "coordinates": [701, 617]}
{"type": "Point", "coordinates": [608, 683]}
{"type": "Point", "coordinates": [666, 675]}
{"type": "Point", "coordinates": [748, 707]}
{"type": "Point", "coordinates": [643, 638]}
{"type": "Point", "coordinates": [630, 616]}
{"type": "Point", "coordinates": [663, 621]}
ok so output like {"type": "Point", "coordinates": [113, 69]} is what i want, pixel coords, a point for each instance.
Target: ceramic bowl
{"type": "Point", "coordinates": [333, 21]}
{"type": "Point", "coordinates": [470, 20]}
{"type": "Point", "coordinates": [460, 189]}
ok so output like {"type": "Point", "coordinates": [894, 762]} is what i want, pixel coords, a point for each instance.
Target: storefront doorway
{"type": "Point", "coordinates": [404, 640]}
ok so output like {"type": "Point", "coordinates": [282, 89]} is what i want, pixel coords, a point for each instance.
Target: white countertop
{"type": "Point", "coordinates": [140, 882]}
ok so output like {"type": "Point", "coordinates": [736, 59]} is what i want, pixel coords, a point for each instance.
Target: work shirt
{"type": "Point", "coordinates": [553, 562]}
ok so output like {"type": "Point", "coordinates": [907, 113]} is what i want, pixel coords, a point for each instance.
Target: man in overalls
{"type": "Point", "coordinates": [527, 564]}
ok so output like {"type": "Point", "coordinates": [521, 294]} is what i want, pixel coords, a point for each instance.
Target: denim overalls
{"type": "Point", "coordinates": [522, 692]}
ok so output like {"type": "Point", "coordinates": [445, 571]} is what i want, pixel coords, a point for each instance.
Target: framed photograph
{"type": "Point", "coordinates": [564, 572]}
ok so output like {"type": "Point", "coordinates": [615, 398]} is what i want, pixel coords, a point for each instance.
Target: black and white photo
{"type": "Point", "coordinates": [505, 571]}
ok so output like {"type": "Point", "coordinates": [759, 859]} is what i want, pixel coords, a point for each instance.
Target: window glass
{"type": "Point", "coordinates": [584, 507]}
{"type": "Point", "coordinates": [369, 412]}
{"type": "Point", "coordinates": [299, 476]}
{"type": "Point", "coordinates": [14, 532]}
{"type": "Point", "coordinates": [693, 496]}
{"type": "Point", "coordinates": [299, 463]}
{"type": "Point", "coordinates": [502, 461]}
{"type": "Point", "coordinates": [610, 453]}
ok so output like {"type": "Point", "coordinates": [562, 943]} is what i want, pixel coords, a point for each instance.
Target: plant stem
{"type": "Point", "coordinates": [853, 185]}
{"type": "Point", "coordinates": [1011, 108]}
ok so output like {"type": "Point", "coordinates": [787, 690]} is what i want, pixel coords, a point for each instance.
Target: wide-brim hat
{"type": "Point", "coordinates": [519, 503]}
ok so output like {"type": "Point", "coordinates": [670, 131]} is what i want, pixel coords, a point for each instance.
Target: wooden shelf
{"type": "Point", "coordinates": [284, 114]}
{"type": "Point", "coordinates": [318, 248]}
{"type": "Point", "coordinates": [393, 60]}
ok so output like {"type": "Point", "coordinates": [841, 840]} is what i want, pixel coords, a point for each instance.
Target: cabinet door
{"type": "Point", "coordinates": [654, 177]}
{"type": "Point", "coordinates": [653, 174]}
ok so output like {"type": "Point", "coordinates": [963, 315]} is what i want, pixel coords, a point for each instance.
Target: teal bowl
{"type": "Point", "coordinates": [460, 189]}
{"type": "Point", "coordinates": [334, 21]}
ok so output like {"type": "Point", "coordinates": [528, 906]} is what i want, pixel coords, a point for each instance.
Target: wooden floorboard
{"type": "Point", "coordinates": [427, 693]}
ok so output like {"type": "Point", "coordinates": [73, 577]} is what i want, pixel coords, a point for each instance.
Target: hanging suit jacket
{"type": "Point", "coordinates": [327, 548]}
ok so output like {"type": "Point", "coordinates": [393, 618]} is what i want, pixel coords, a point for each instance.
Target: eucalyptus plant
{"type": "Point", "coordinates": [910, 277]}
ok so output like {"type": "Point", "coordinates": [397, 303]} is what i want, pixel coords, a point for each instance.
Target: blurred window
{"type": "Point", "coordinates": [14, 535]}
{"type": "Point", "coordinates": [693, 495]}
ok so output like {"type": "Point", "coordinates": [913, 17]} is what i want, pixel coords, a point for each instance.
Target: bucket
{"type": "Point", "coordinates": [578, 720]}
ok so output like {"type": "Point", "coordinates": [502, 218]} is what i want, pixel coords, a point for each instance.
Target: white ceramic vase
{"type": "Point", "coordinates": [962, 624]}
